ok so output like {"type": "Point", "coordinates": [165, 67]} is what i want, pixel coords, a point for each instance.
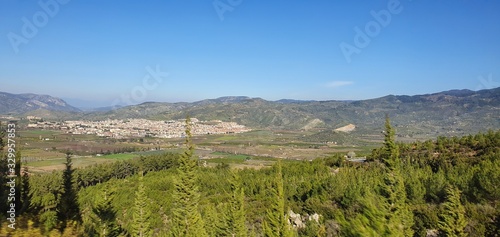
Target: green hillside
{"type": "Point", "coordinates": [443, 186]}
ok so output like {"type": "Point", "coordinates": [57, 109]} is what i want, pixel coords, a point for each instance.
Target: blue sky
{"type": "Point", "coordinates": [99, 53]}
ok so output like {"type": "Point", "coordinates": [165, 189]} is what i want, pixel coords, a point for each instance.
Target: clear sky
{"type": "Point", "coordinates": [96, 53]}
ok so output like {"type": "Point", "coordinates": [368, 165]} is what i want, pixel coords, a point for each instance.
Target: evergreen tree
{"type": "Point", "coordinates": [2, 134]}
{"type": "Point", "coordinates": [18, 180]}
{"type": "Point", "coordinates": [216, 217]}
{"type": "Point", "coordinates": [104, 218]}
{"type": "Point", "coordinates": [370, 221]}
{"type": "Point", "coordinates": [390, 154]}
{"type": "Point", "coordinates": [399, 216]}
{"type": "Point", "coordinates": [236, 220]}
{"type": "Point", "coordinates": [276, 223]}
{"type": "Point", "coordinates": [46, 197]}
{"type": "Point", "coordinates": [452, 220]}
{"type": "Point", "coordinates": [25, 190]}
{"type": "Point", "coordinates": [68, 206]}
{"type": "Point", "coordinates": [3, 173]}
{"type": "Point", "coordinates": [187, 219]}
{"type": "Point", "coordinates": [142, 214]}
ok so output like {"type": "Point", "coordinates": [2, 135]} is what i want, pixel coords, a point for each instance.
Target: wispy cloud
{"type": "Point", "coordinates": [335, 84]}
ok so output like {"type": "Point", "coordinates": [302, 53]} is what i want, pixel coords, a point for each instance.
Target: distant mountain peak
{"type": "Point", "coordinates": [23, 103]}
{"type": "Point", "coordinates": [290, 101]}
{"type": "Point", "coordinates": [459, 93]}
{"type": "Point", "coordinates": [232, 98]}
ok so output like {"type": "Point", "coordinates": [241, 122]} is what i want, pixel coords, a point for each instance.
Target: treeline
{"type": "Point", "coordinates": [446, 187]}
{"type": "Point", "coordinates": [43, 200]}
{"type": "Point", "coordinates": [119, 170]}
{"type": "Point", "coordinates": [120, 150]}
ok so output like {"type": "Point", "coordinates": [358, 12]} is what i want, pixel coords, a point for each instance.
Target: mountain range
{"type": "Point", "coordinates": [24, 103]}
{"type": "Point", "coordinates": [448, 112]}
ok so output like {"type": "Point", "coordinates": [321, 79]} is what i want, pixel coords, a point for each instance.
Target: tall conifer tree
{"type": "Point", "coordinates": [276, 223]}
{"type": "Point", "coordinates": [104, 219]}
{"type": "Point", "coordinates": [3, 172]}
{"type": "Point", "coordinates": [390, 154]}
{"type": "Point", "coordinates": [399, 216]}
{"type": "Point", "coordinates": [452, 220]}
{"type": "Point", "coordinates": [68, 206]}
{"type": "Point", "coordinates": [18, 180]}
{"type": "Point", "coordinates": [236, 220]}
{"type": "Point", "coordinates": [142, 213]}
{"type": "Point", "coordinates": [187, 221]}
{"type": "Point", "coordinates": [25, 190]}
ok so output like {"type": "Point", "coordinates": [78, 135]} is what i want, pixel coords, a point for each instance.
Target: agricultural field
{"type": "Point", "coordinates": [45, 150]}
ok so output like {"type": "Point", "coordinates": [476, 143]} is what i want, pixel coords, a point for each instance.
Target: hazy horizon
{"type": "Point", "coordinates": [87, 104]}
{"type": "Point", "coordinates": [92, 105]}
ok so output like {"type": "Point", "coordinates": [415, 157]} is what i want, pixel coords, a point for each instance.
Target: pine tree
{"type": "Point", "coordinates": [104, 218]}
{"type": "Point", "coordinates": [370, 221]}
{"type": "Point", "coordinates": [25, 190]}
{"type": "Point", "coordinates": [187, 219]}
{"type": "Point", "coordinates": [68, 207]}
{"type": "Point", "coordinates": [399, 216]}
{"type": "Point", "coordinates": [216, 224]}
{"type": "Point", "coordinates": [2, 134]}
{"type": "Point", "coordinates": [276, 223]}
{"type": "Point", "coordinates": [452, 220]}
{"type": "Point", "coordinates": [18, 180]}
{"type": "Point", "coordinates": [3, 172]}
{"type": "Point", "coordinates": [142, 214]}
{"type": "Point", "coordinates": [47, 190]}
{"type": "Point", "coordinates": [390, 154]}
{"type": "Point", "coordinates": [236, 220]}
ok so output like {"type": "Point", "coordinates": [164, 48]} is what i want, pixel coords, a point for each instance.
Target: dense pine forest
{"type": "Point", "coordinates": [444, 187]}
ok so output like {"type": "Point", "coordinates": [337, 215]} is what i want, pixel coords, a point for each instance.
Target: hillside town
{"type": "Point", "coordinates": [115, 128]}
